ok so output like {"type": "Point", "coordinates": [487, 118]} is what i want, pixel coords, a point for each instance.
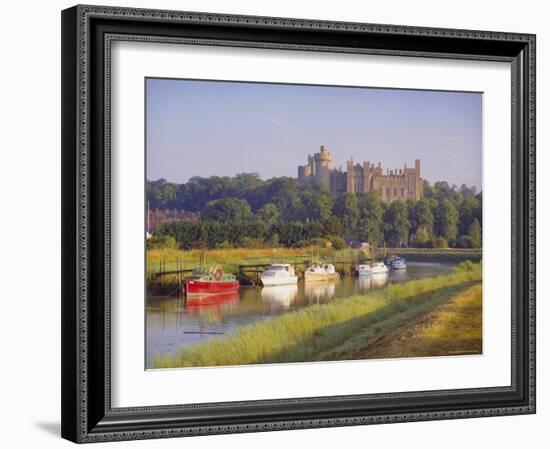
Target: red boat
{"type": "Point", "coordinates": [210, 282]}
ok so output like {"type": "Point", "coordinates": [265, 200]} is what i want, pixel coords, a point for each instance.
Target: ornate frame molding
{"type": "Point", "coordinates": [87, 420]}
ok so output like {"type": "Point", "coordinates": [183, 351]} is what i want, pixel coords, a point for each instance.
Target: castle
{"type": "Point", "coordinates": [404, 183]}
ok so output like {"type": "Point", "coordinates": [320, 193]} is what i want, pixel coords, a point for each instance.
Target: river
{"type": "Point", "coordinates": [172, 322]}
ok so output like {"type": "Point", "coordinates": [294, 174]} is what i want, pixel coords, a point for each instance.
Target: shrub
{"type": "Point", "coordinates": [248, 242]}
{"type": "Point", "coordinates": [321, 243]}
{"type": "Point", "coordinates": [421, 238]}
{"type": "Point", "coordinates": [224, 245]}
{"type": "Point", "coordinates": [465, 241]}
{"type": "Point", "coordinates": [338, 242]}
{"type": "Point", "coordinates": [467, 265]}
{"type": "Point", "coordinates": [439, 242]}
{"type": "Point", "coordinates": [161, 242]}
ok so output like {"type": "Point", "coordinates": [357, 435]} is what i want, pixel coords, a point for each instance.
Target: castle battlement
{"type": "Point", "coordinates": [403, 183]}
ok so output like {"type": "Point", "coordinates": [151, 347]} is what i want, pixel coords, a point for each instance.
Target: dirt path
{"type": "Point", "coordinates": [452, 329]}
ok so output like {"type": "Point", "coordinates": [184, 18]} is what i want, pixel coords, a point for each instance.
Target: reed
{"type": "Point", "coordinates": [308, 333]}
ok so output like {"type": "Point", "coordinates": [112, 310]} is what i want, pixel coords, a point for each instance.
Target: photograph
{"type": "Point", "coordinates": [296, 223]}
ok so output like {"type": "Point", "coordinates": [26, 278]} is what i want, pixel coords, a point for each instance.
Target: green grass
{"type": "Point", "coordinates": [310, 333]}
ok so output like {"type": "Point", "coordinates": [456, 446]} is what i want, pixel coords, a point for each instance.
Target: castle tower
{"type": "Point", "coordinates": [419, 187]}
{"type": "Point", "coordinates": [323, 166]}
{"type": "Point", "coordinates": [366, 176]}
{"type": "Point", "coordinates": [350, 178]}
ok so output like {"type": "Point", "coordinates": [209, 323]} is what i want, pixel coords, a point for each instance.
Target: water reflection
{"type": "Point", "coordinates": [201, 305]}
{"type": "Point", "coordinates": [279, 296]}
{"type": "Point", "coordinates": [379, 279]}
{"type": "Point", "coordinates": [317, 292]}
{"type": "Point", "coordinates": [173, 322]}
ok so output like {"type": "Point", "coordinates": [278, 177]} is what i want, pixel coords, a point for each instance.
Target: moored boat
{"type": "Point", "coordinates": [363, 270]}
{"type": "Point", "coordinates": [279, 274]}
{"type": "Point", "coordinates": [379, 268]}
{"type": "Point", "coordinates": [398, 264]}
{"type": "Point", "coordinates": [321, 272]}
{"type": "Point", "coordinates": [210, 282]}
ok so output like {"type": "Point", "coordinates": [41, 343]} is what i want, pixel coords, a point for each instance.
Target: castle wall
{"type": "Point", "coordinates": [401, 184]}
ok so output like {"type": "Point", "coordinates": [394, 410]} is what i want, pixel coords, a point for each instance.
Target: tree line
{"type": "Point", "coordinates": [245, 210]}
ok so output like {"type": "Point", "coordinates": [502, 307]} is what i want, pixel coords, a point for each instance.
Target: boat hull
{"type": "Point", "coordinates": [201, 288]}
{"type": "Point", "coordinates": [279, 280]}
{"type": "Point", "coordinates": [320, 277]}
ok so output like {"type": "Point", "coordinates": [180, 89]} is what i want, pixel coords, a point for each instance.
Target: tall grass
{"type": "Point", "coordinates": [303, 334]}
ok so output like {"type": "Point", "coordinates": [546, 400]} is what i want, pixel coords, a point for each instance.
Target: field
{"type": "Point", "coordinates": [339, 330]}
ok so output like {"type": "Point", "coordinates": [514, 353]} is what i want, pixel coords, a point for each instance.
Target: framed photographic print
{"type": "Point", "coordinates": [278, 223]}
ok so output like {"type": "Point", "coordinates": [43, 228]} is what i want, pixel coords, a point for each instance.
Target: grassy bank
{"type": "Point", "coordinates": [453, 328]}
{"type": "Point", "coordinates": [313, 332]}
{"type": "Point", "coordinates": [451, 255]}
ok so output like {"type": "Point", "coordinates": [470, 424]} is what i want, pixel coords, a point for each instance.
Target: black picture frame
{"type": "Point", "coordinates": [87, 414]}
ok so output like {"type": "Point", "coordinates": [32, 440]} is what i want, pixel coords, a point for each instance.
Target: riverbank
{"type": "Point", "coordinates": [450, 255]}
{"type": "Point", "coordinates": [167, 259]}
{"type": "Point", "coordinates": [455, 328]}
{"type": "Point", "coordinates": [314, 332]}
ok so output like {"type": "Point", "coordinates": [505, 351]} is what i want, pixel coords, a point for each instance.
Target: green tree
{"type": "Point", "coordinates": [346, 208]}
{"type": "Point", "coordinates": [396, 224]}
{"type": "Point", "coordinates": [467, 212]}
{"type": "Point", "coordinates": [370, 221]}
{"type": "Point", "coordinates": [268, 214]}
{"type": "Point", "coordinates": [446, 220]}
{"type": "Point", "coordinates": [227, 209]}
{"type": "Point", "coordinates": [421, 237]}
{"type": "Point", "coordinates": [474, 232]}
{"type": "Point", "coordinates": [420, 215]}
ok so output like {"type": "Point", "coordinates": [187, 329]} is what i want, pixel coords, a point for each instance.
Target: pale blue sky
{"type": "Point", "coordinates": [205, 128]}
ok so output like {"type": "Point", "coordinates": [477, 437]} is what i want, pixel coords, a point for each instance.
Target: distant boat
{"type": "Point", "coordinates": [363, 270]}
{"type": "Point", "coordinates": [379, 268]}
{"type": "Point", "coordinates": [210, 282]}
{"type": "Point", "coordinates": [321, 272]}
{"type": "Point", "coordinates": [398, 264]}
{"type": "Point", "coordinates": [279, 274]}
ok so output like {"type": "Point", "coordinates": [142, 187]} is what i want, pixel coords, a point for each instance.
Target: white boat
{"type": "Point", "coordinates": [379, 268]}
{"type": "Point", "coordinates": [321, 272]}
{"type": "Point", "coordinates": [399, 264]}
{"type": "Point", "coordinates": [279, 274]}
{"type": "Point", "coordinates": [363, 270]}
